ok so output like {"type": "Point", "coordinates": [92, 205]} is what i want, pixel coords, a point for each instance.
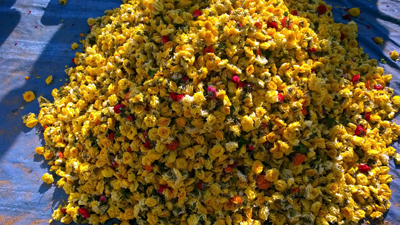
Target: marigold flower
{"type": "Point", "coordinates": [29, 96]}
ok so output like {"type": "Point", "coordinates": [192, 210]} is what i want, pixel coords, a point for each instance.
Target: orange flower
{"type": "Point", "coordinates": [228, 169]}
{"type": "Point", "coordinates": [148, 168]}
{"type": "Point", "coordinates": [262, 183]}
{"type": "Point", "coordinates": [299, 159]}
{"type": "Point", "coordinates": [368, 85]}
{"type": "Point", "coordinates": [236, 200]}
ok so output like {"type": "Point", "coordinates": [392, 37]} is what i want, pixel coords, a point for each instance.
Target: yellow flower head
{"type": "Point", "coordinates": [378, 40]}
{"type": "Point", "coordinates": [216, 151]}
{"type": "Point", "coordinates": [394, 55]}
{"type": "Point", "coordinates": [354, 12]}
{"type": "Point", "coordinates": [29, 96]}
{"type": "Point", "coordinates": [164, 132]}
{"type": "Point", "coordinates": [47, 178]}
{"type": "Point", "coordinates": [49, 79]}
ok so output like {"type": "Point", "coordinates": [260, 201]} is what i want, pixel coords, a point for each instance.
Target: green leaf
{"type": "Point", "coordinates": [344, 120]}
{"type": "Point", "coordinates": [151, 73]}
{"type": "Point", "coordinates": [266, 53]}
{"type": "Point", "coordinates": [301, 149]}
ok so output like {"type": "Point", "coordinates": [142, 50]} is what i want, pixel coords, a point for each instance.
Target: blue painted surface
{"type": "Point", "coordinates": [45, 50]}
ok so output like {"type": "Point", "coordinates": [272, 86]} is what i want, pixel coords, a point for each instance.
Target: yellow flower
{"type": "Point", "coordinates": [362, 179]}
{"type": "Point", "coordinates": [162, 122]}
{"type": "Point", "coordinates": [29, 96]}
{"type": "Point", "coordinates": [354, 12]}
{"type": "Point", "coordinates": [47, 178]}
{"type": "Point", "coordinates": [49, 79]}
{"type": "Point", "coordinates": [129, 214]}
{"type": "Point", "coordinates": [164, 132]}
{"type": "Point", "coordinates": [216, 151]}
{"type": "Point", "coordinates": [62, 2]}
{"type": "Point", "coordinates": [74, 46]}
{"type": "Point", "coordinates": [219, 135]}
{"type": "Point", "coordinates": [151, 202]}
{"type": "Point", "coordinates": [30, 120]}
{"type": "Point", "coordinates": [378, 40]}
{"type": "Point", "coordinates": [40, 150]}
{"type": "Point", "coordinates": [257, 167]}
{"type": "Point", "coordinates": [247, 123]}
{"type": "Point", "coordinates": [394, 55]}
{"type": "Point", "coordinates": [272, 175]}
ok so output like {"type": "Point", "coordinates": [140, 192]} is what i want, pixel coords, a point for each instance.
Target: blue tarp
{"type": "Point", "coordinates": [35, 42]}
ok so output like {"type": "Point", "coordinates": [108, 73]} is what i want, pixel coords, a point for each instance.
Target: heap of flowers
{"type": "Point", "coordinates": [221, 112]}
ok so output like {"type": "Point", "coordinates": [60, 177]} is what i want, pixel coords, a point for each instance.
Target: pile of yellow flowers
{"type": "Point", "coordinates": [221, 112]}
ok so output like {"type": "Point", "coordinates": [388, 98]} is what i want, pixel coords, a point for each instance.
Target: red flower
{"type": "Point", "coordinates": [356, 78]}
{"type": "Point", "coordinates": [264, 126]}
{"type": "Point", "coordinates": [368, 116]}
{"type": "Point", "coordinates": [284, 21]}
{"type": "Point", "coordinates": [172, 146]}
{"type": "Point", "coordinates": [201, 185]}
{"type": "Point", "coordinates": [378, 87]}
{"type": "Point", "coordinates": [73, 61]}
{"type": "Point", "coordinates": [63, 210]}
{"type": "Point", "coordinates": [173, 96]}
{"type": "Point", "coordinates": [103, 198]}
{"type": "Point", "coordinates": [114, 164]}
{"type": "Point", "coordinates": [304, 111]}
{"type": "Point", "coordinates": [322, 9]}
{"type": "Point", "coordinates": [272, 25]}
{"type": "Point", "coordinates": [111, 136]}
{"type": "Point", "coordinates": [241, 84]}
{"type": "Point", "coordinates": [342, 36]}
{"type": "Point", "coordinates": [360, 131]}
{"type": "Point", "coordinates": [185, 78]}
{"type": "Point", "coordinates": [347, 17]}
{"type": "Point", "coordinates": [296, 190]}
{"type": "Point", "coordinates": [118, 107]}
{"type": "Point", "coordinates": [211, 92]}
{"type": "Point", "coordinates": [147, 144]}
{"type": "Point", "coordinates": [197, 13]}
{"type": "Point", "coordinates": [147, 108]}
{"type": "Point", "coordinates": [129, 149]}
{"type": "Point", "coordinates": [363, 168]}
{"type": "Point", "coordinates": [164, 39]}
{"type": "Point", "coordinates": [208, 49]}
{"type": "Point", "coordinates": [234, 164]}
{"type": "Point", "coordinates": [129, 118]}
{"type": "Point", "coordinates": [162, 188]}
{"type": "Point", "coordinates": [84, 212]}
{"type": "Point", "coordinates": [280, 98]}
{"type": "Point", "coordinates": [312, 50]}
{"type": "Point", "coordinates": [258, 52]}
{"type": "Point", "coordinates": [235, 79]}
{"type": "Point", "coordinates": [250, 147]}
{"type": "Point", "coordinates": [368, 27]}
{"type": "Point", "coordinates": [294, 13]}
{"type": "Point", "coordinates": [179, 97]}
